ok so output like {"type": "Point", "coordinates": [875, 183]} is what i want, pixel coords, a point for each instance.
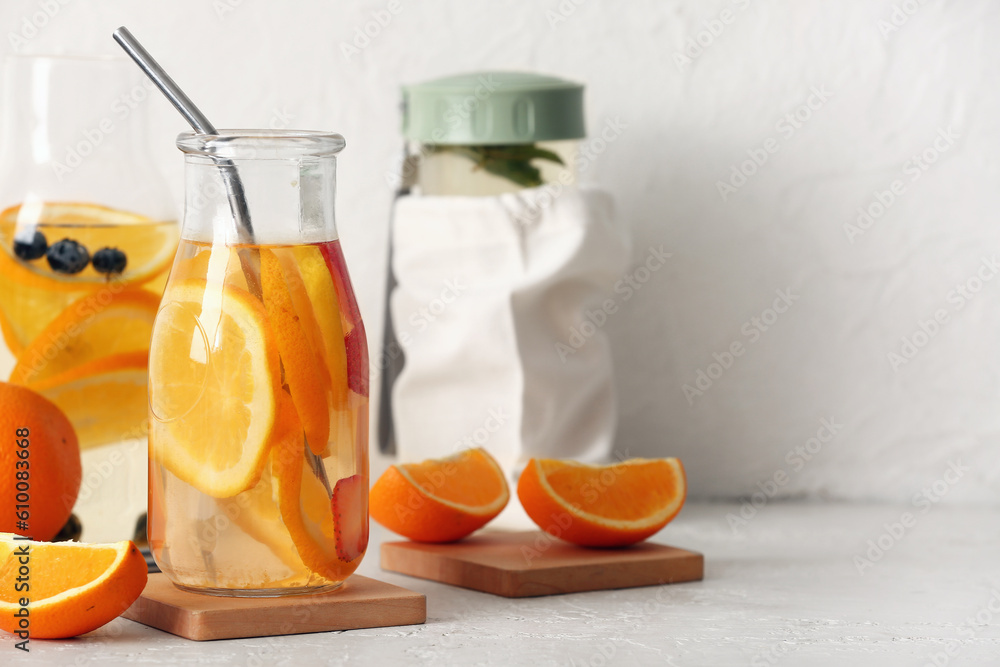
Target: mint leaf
{"type": "Point", "coordinates": [512, 162]}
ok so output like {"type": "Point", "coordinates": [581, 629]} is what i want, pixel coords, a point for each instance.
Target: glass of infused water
{"type": "Point", "coordinates": [87, 235]}
{"type": "Point", "coordinates": [258, 376]}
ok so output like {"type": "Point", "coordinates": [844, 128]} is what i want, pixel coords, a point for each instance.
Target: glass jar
{"type": "Point", "coordinates": [490, 133]}
{"type": "Point", "coordinates": [479, 134]}
{"type": "Point", "coordinates": [258, 376]}
{"type": "Point", "coordinates": [87, 235]}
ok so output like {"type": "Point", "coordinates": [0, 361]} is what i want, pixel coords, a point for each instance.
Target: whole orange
{"type": "Point", "coordinates": [47, 478]}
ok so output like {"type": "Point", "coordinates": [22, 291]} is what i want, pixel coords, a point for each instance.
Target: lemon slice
{"type": "Point", "coordinates": [213, 380]}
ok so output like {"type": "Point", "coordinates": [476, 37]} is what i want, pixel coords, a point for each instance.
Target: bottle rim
{"type": "Point", "coordinates": [261, 144]}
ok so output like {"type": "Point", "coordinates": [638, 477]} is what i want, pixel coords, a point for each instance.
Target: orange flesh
{"type": "Point", "coordinates": [611, 491]}
{"type": "Point", "coordinates": [63, 568]}
{"type": "Point", "coordinates": [477, 483]}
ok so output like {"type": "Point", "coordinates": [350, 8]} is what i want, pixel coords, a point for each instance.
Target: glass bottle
{"type": "Point", "coordinates": [87, 234]}
{"type": "Point", "coordinates": [258, 376]}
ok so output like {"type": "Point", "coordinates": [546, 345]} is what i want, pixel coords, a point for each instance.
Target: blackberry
{"type": "Point", "coordinates": [67, 256]}
{"type": "Point", "coordinates": [33, 249]}
{"type": "Point", "coordinates": [109, 260]}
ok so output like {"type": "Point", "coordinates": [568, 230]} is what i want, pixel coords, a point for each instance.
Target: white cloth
{"type": "Point", "coordinates": [490, 309]}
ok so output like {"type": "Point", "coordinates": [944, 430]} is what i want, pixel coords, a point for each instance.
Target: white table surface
{"type": "Point", "coordinates": [783, 590]}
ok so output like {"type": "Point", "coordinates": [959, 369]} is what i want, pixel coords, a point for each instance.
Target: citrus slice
{"type": "Point", "coordinates": [256, 513]}
{"type": "Point", "coordinates": [26, 310]}
{"type": "Point", "coordinates": [298, 337]}
{"type": "Point", "coordinates": [303, 500]}
{"type": "Point", "coordinates": [322, 293]}
{"type": "Point", "coordinates": [97, 325]}
{"type": "Point", "coordinates": [105, 398]}
{"type": "Point", "coordinates": [440, 500]}
{"type": "Point", "coordinates": [602, 506]}
{"type": "Point", "coordinates": [149, 245]}
{"type": "Point", "coordinates": [213, 375]}
{"type": "Point", "coordinates": [75, 588]}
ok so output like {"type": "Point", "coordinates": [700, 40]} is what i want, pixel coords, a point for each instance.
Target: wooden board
{"type": "Point", "coordinates": [359, 603]}
{"type": "Point", "coordinates": [527, 564]}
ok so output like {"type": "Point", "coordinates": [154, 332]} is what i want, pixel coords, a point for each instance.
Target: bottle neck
{"type": "Point", "coordinates": [290, 200]}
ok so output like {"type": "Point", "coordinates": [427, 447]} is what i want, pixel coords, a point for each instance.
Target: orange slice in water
{"type": "Point", "coordinates": [256, 512]}
{"type": "Point", "coordinates": [105, 398]}
{"type": "Point", "coordinates": [75, 588]}
{"type": "Point", "coordinates": [213, 377]}
{"type": "Point", "coordinates": [100, 324]}
{"type": "Point", "coordinates": [603, 506]}
{"type": "Point", "coordinates": [298, 339]}
{"type": "Point", "coordinates": [322, 293]}
{"type": "Point", "coordinates": [303, 500]}
{"type": "Point", "coordinates": [25, 310]}
{"type": "Point", "coordinates": [440, 500]}
{"type": "Point", "coordinates": [149, 245]}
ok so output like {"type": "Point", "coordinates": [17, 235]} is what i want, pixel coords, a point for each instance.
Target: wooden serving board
{"type": "Point", "coordinates": [526, 564]}
{"type": "Point", "coordinates": [359, 603]}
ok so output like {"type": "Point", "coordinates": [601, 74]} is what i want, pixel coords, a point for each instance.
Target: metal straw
{"type": "Point", "coordinates": [200, 123]}
{"type": "Point", "coordinates": [249, 256]}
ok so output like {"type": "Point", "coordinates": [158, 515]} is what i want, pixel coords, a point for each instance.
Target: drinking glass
{"type": "Point", "coordinates": [87, 234]}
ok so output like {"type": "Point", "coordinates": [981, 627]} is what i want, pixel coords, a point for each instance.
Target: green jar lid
{"type": "Point", "coordinates": [489, 108]}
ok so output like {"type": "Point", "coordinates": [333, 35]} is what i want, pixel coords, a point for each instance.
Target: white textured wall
{"type": "Point", "coordinates": [879, 96]}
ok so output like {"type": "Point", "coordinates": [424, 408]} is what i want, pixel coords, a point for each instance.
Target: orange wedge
{"type": "Point", "coordinates": [100, 324]}
{"type": "Point", "coordinates": [213, 377]}
{"type": "Point", "coordinates": [440, 500]}
{"type": "Point", "coordinates": [602, 506]}
{"type": "Point", "coordinates": [299, 341]}
{"type": "Point", "coordinates": [148, 244]}
{"type": "Point", "coordinates": [105, 398]}
{"type": "Point", "coordinates": [75, 588]}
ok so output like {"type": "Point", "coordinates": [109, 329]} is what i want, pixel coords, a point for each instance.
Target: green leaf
{"type": "Point", "coordinates": [512, 162]}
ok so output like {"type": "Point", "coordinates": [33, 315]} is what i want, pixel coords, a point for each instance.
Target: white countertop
{"type": "Point", "coordinates": [782, 590]}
